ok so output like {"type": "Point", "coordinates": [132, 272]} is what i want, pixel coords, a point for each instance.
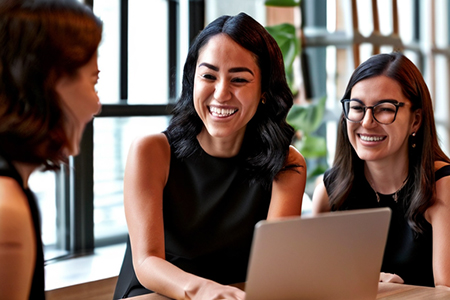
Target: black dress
{"type": "Point", "coordinates": [37, 291]}
{"type": "Point", "coordinates": [407, 253]}
{"type": "Point", "coordinates": [210, 211]}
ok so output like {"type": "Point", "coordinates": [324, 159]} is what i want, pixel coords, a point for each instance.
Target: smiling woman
{"type": "Point", "coordinates": [223, 164]}
{"type": "Point", "coordinates": [227, 92]}
{"type": "Point", "coordinates": [388, 155]}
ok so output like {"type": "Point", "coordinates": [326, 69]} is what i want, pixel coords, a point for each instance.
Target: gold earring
{"type": "Point", "coordinates": [263, 98]}
{"type": "Point", "coordinates": [413, 143]}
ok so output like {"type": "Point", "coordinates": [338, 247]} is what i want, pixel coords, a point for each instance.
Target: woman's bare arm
{"type": "Point", "coordinates": [288, 188]}
{"type": "Point", "coordinates": [17, 242]}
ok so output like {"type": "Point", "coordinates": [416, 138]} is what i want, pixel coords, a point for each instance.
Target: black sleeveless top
{"type": "Point", "coordinates": [407, 253]}
{"type": "Point", "coordinates": [210, 211]}
{"type": "Point", "coordinates": [37, 291]}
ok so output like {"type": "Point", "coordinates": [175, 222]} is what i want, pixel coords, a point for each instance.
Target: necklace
{"type": "Point", "coordinates": [395, 195]}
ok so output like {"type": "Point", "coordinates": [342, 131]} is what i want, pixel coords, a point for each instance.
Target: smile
{"type": "Point", "coordinates": [367, 138]}
{"type": "Point", "coordinates": [222, 112]}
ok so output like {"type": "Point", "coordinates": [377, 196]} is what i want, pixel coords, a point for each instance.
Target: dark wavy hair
{"type": "Point", "coordinates": [422, 190]}
{"type": "Point", "coordinates": [40, 41]}
{"type": "Point", "coordinates": [268, 135]}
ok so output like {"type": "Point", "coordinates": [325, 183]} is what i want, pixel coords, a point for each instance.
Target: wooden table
{"type": "Point", "coordinates": [386, 291]}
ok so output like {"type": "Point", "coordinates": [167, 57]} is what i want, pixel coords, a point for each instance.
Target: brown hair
{"type": "Point", "coordinates": [421, 158]}
{"type": "Point", "coordinates": [40, 41]}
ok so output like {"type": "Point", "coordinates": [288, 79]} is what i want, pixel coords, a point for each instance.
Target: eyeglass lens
{"type": "Point", "coordinates": [383, 113]}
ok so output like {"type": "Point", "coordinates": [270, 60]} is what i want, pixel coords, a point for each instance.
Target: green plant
{"type": "Point", "coordinates": [282, 3]}
{"type": "Point", "coordinates": [305, 118]}
{"type": "Point", "coordinates": [285, 35]}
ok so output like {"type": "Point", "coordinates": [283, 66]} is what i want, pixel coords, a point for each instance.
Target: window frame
{"type": "Point", "coordinates": [75, 182]}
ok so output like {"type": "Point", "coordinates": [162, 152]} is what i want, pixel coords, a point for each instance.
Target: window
{"type": "Point", "coordinates": [139, 60]}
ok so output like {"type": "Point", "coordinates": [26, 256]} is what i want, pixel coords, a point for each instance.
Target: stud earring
{"type": "Point", "coordinates": [263, 98]}
{"type": "Point", "coordinates": [413, 137]}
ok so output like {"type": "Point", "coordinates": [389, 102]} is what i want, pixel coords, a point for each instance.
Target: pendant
{"type": "Point", "coordinates": [395, 197]}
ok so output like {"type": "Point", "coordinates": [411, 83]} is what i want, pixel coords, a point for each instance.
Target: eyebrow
{"type": "Point", "coordinates": [379, 101]}
{"type": "Point", "coordinates": [232, 70]}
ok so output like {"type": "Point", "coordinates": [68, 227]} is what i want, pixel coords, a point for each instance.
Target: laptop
{"type": "Point", "coordinates": [331, 256]}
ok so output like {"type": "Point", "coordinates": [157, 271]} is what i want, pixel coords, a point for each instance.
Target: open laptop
{"type": "Point", "coordinates": [332, 256]}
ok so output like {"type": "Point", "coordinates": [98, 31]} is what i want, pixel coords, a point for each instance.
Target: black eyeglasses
{"type": "Point", "coordinates": [384, 112]}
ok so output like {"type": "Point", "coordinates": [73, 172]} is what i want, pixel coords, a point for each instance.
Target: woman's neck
{"type": "Point", "coordinates": [220, 147]}
{"type": "Point", "coordinates": [385, 178]}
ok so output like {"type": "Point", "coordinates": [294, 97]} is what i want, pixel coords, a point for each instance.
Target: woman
{"type": "Point", "coordinates": [387, 154]}
{"type": "Point", "coordinates": [194, 193]}
{"type": "Point", "coordinates": [48, 71]}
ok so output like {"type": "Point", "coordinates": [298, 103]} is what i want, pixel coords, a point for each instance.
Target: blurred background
{"type": "Point", "coordinates": [141, 57]}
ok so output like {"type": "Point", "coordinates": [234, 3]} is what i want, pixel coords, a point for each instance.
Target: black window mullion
{"type": "Point", "coordinates": [125, 110]}
{"type": "Point", "coordinates": [123, 50]}
{"type": "Point", "coordinates": [173, 13]}
{"type": "Point", "coordinates": [82, 195]}
{"type": "Point", "coordinates": [196, 18]}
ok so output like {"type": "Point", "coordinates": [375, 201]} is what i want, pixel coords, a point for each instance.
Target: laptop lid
{"type": "Point", "coordinates": [336, 255]}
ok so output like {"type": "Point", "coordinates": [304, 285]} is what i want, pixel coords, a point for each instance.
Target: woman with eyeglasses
{"type": "Point", "coordinates": [388, 155]}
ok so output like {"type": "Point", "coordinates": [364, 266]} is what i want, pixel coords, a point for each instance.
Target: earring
{"type": "Point", "coordinates": [263, 98]}
{"type": "Point", "coordinates": [413, 137]}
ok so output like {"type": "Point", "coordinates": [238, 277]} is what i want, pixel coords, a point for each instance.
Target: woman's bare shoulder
{"type": "Point", "coordinates": [148, 157]}
{"type": "Point", "coordinates": [295, 157]}
{"type": "Point", "coordinates": [15, 216]}
{"type": "Point", "coordinates": [439, 164]}
{"type": "Point", "coordinates": [150, 146]}
{"type": "Point", "coordinates": [152, 140]}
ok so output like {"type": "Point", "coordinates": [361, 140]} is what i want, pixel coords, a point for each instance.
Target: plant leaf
{"type": "Point", "coordinates": [307, 118]}
{"type": "Point", "coordinates": [286, 38]}
{"type": "Point", "coordinates": [312, 146]}
{"type": "Point", "coordinates": [318, 170]}
{"type": "Point", "coordinates": [284, 3]}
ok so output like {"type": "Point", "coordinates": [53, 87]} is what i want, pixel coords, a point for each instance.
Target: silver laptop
{"type": "Point", "coordinates": [333, 256]}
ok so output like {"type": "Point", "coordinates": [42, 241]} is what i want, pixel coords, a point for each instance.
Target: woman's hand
{"type": "Point", "coordinates": [214, 291]}
{"type": "Point", "coordinates": [388, 277]}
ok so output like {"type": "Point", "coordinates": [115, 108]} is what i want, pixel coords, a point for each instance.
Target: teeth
{"type": "Point", "coordinates": [222, 112]}
{"type": "Point", "coordinates": [371, 138]}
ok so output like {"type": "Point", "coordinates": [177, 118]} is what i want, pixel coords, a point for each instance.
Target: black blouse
{"type": "Point", "coordinates": [210, 210]}
{"type": "Point", "coordinates": [407, 253]}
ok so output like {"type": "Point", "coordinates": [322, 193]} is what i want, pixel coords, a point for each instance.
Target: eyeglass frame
{"type": "Point", "coordinates": [396, 103]}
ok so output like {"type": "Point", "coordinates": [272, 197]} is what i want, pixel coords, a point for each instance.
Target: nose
{"type": "Point", "coordinates": [368, 120]}
{"type": "Point", "coordinates": [222, 91]}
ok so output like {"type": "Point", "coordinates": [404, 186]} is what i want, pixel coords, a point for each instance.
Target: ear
{"type": "Point", "coordinates": [416, 120]}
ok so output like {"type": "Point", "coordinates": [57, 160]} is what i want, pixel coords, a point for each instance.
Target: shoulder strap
{"type": "Point", "coordinates": [442, 172]}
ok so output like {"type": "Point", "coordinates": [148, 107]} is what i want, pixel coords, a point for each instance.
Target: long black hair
{"type": "Point", "coordinates": [268, 135]}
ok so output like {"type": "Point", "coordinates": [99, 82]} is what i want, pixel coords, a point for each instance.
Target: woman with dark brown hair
{"type": "Point", "coordinates": [48, 72]}
{"type": "Point", "coordinates": [388, 155]}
